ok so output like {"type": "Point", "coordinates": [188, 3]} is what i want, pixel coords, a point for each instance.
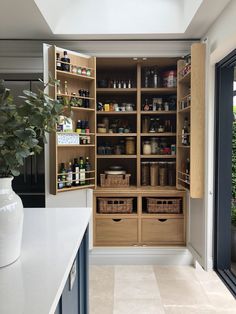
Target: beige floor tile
{"type": "Point", "coordinates": [133, 289]}
{"type": "Point", "coordinates": [101, 288]}
{"type": "Point", "coordinates": [204, 276]}
{"type": "Point", "coordinates": [127, 272]}
{"type": "Point", "coordinates": [98, 305]}
{"type": "Point", "coordinates": [182, 292]}
{"type": "Point", "coordinates": [140, 306]}
{"type": "Point", "coordinates": [194, 310]}
{"type": "Point", "coordinates": [174, 272]}
{"type": "Point", "coordinates": [219, 295]}
{"type": "Point", "coordinates": [101, 272]}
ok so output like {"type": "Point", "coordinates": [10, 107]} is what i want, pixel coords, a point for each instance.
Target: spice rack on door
{"type": "Point", "coordinates": [190, 107]}
{"type": "Point", "coordinates": [76, 81]}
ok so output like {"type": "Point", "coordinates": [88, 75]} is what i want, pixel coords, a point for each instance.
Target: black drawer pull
{"type": "Point", "coordinates": [162, 220]}
{"type": "Point", "coordinates": [117, 220]}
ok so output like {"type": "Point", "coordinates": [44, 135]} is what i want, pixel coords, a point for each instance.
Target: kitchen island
{"type": "Point", "coordinates": [51, 274]}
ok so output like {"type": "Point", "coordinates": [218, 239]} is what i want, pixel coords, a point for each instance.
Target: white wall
{"type": "Point", "coordinates": [221, 40]}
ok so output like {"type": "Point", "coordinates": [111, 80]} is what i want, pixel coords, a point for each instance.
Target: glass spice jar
{"type": "Point", "coordinates": [147, 150]}
{"type": "Point", "coordinates": [79, 70]}
{"type": "Point", "coordinates": [145, 170]}
{"type": "Point", "coordinates": [154, 173]}
{"type": "Point", "coordinates": [88, 72]}
{"type": "Point", "coordinates": [83, 71]}
{"type": "Point", "coordinates": [130, 146]}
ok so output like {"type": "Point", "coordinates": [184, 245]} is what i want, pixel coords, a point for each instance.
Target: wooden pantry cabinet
{"type": "Point", "coordinates": [108, 147]}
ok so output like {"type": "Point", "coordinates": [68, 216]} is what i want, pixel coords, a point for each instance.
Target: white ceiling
{"type": "Point", "coordinates": [107, 19]}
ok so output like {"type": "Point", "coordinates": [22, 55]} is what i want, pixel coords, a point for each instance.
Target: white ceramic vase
{"type": "Point", "coordinates": [11, 223]}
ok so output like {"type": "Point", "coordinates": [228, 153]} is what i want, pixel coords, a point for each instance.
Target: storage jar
{"type": "Point", "coordinates": [147, 150]}
{"type": "Point", "coordinates": [154, 173]}
{"type": "Point", "coordinates": [162, 173]}
{"type": "Point", "coordinates": [130, 145]}
{"type": "Point", "coordinates": [145, 171]}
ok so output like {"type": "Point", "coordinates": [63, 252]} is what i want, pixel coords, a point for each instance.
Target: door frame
{"type": "Point", "coordinates": [223, 169]}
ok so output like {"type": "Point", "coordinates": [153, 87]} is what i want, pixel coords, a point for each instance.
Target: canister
{"type": "Point", "coordinates": [130, 145]}
{"type": "Point", "coordinates": [154, 173]}
{"type": "Point", "coordinates": [162, 173]}
{"type": "Point", "coordinates": [145, 171]}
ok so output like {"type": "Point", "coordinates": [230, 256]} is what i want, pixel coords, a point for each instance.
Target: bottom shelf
{"type": "Point", "coordinates": [73, 188]}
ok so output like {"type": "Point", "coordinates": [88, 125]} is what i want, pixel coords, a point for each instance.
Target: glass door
{"type": "Point", "coordinates": [225, 171]}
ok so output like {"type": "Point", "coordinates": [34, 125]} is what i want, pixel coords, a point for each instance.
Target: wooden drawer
{"type": "Point", "coordinates": [116, 231]}
{"type": "Point", "coordinates": [163, 231]}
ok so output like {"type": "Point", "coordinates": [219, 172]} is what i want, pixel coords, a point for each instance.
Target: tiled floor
{"type": "Point", "coordinates": [157, 290]}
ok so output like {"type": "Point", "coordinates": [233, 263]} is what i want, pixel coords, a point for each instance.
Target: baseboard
{"type": "Point", "coordinates": [140, 256]}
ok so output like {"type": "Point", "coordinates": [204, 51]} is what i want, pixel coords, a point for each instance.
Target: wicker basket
{"type": "Point", "coordinates": [114, 181]}
{"type": "Point", "coordinates": [115, 205]}
{"type": "Point", "coordinates": [160, 205]}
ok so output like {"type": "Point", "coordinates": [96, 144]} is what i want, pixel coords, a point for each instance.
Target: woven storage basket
{"type": "Point", "coordinates": [115, 205]}
{"type": "Point", "coordinates": [114, 180]}
{"type": "Point", "coordinates": [160, 205]}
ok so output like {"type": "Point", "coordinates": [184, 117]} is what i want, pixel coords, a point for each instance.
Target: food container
{"type": "Point", "coordinates": [154, 173]}
{"type": "Point", "coordinates": [145, 124]}
{"type": "Point", "coordinates": [171, 173]}
{"type": "Point", "coordinates": [130, 145]}
{"type": "Point", "coordinates": [154, 146]}
{"type": "Point", "coordinates": [129, 107]}
{"type": "Point", "coordinates": [145, 170]}
{"type": "Point", "coordinates": [102, 128]}
{"type": "Point", "coordinates": [169, 79]}
{"type": "Point", "coordinates": [162, 173]}
{"type": "Point", "coordinates": [147, 150]}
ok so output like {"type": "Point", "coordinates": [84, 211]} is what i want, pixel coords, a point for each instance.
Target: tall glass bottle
{"type": "Point", "coordinates": [82, 171]}
{"type": "Point", "coordinates": [87, 167]}
{"type": "Point", "coordinates": [69, 176]}
{"type": "Point", "coordinates": [76, 172]}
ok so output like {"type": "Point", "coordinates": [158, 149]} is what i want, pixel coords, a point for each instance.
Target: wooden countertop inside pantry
{"type": "Point", "coordinates": [156, 190]}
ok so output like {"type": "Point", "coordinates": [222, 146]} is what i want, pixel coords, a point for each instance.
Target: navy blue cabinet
{"type": "Point", "coordinates": [74, 299]}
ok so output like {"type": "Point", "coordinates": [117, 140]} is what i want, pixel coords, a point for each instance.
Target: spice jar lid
{"type": "Point", "coordinates": [146, 142]}
{"type": "Point", "coordinates": [145, 162]}
{"type": "Point", "coordinates": [154, 163]}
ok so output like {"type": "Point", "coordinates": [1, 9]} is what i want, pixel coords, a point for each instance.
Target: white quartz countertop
{"type": "Point", "coordinates": [51, 238]}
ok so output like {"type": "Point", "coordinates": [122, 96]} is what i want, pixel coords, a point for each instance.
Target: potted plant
{"type": "Point", "coordinates": [21, 128]}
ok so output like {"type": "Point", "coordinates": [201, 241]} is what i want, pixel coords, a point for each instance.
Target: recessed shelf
{"type": "Point", "coordinates": [74, 76]}
{"type": "Point", "coordinates": [116, 134]}
{"type": "Point", "coordinates": [159, 134]}
{"type": "Point", "coordinates": [116, 112]}
{"type": "Point", "coordinates": [75, 145]}
{"type": "Point", "coordinates": [159, 156]}
{"type": "Point", "coordinates": [116, 90]}
{"type": "Point", "coordinates": [116, 156]}
{"type": "Point", "coordinates": [76, 96]}
{"type": "Point", "coordinates": [73, 188]}
{"type": "Point", "coordinates": [159, 112]}
{"type": "Point", "coordinates": [160, 90]}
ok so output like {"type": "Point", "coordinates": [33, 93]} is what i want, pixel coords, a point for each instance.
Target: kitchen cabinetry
{"type": "Point", "coordinates": [191, 106]}
{"type": "Point", "coordinates": [151, 116]}
{"type": "Point", "coordinates": [74, 299]}
{"type": "Point", "coordinates": [66, 145]}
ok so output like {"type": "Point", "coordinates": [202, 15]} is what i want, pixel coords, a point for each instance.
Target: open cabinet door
{"type": "Point", "coordinates": [74, 140]}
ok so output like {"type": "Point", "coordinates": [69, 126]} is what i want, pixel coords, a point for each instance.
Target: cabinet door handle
{"type": "Point", "coordinates": [162, 220]}
{"type": "Point", "coordinates": [117, 220]}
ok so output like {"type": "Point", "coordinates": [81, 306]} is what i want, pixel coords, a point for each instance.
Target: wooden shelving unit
{"type": "Point", "coordinates": [63, 153]}
{"type": "Point", "coordinates": [192, 86]}
{"type": "Point", "coordinates": [139, 227]}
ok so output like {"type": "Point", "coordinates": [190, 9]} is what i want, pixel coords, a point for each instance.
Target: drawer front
{"type": "Point", "coordinates": [116, 231]}
{"type": "Point", "coordinates": [163, 231]}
